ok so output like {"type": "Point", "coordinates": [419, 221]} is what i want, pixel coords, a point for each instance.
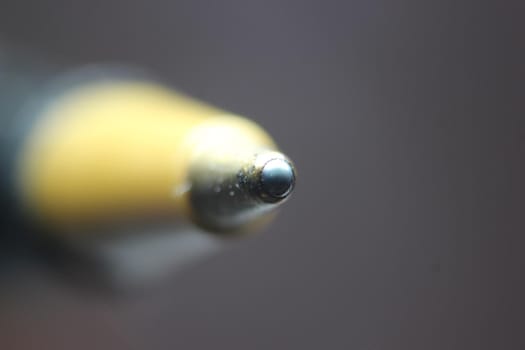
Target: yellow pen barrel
{"type": "Point", "coordinates": [122, 150]}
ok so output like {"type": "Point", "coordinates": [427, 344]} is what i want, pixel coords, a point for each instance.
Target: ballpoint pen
{"type": "Point", "coordinates": [98, 146]}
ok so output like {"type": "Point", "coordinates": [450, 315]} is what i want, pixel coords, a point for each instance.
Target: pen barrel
{"type": "Point", "coordinates": [28, 86]}
{"type": "Point", "coordinates": [99, 146]}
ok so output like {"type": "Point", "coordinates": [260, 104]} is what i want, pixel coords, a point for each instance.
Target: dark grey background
{"type": "Point", "coordinates": [405, 120]}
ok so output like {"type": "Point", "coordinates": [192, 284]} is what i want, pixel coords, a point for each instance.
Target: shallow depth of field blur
{"type": "Point", "coordinates": [405, 121]}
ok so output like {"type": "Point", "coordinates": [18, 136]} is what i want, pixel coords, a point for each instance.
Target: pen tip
{"type": "Point", "coordinates": [277, 179]}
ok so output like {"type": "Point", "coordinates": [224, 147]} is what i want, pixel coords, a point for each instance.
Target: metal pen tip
{"type": "Point", "coordinates": [239, 190]}
{"type": "Point", "coordinates": [277, 179]}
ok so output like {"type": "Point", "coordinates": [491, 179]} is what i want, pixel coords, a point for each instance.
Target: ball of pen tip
{"type": "Point", "coordinates": [276, 180]}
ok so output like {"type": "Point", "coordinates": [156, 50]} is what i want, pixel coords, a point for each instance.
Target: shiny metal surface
{"type": "Point", "coordinates": [235, 193]}
{"type": "Point", "coordinates": [277, 180]}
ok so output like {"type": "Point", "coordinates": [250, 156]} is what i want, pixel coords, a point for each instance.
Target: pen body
{"type": "Point", "coordinates": [96, 147]}
{"type": "Point", "coordinates": [121, 149]}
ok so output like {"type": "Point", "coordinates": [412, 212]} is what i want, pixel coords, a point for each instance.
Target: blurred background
{"type": "Point", "coordinates": [405, 120]}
